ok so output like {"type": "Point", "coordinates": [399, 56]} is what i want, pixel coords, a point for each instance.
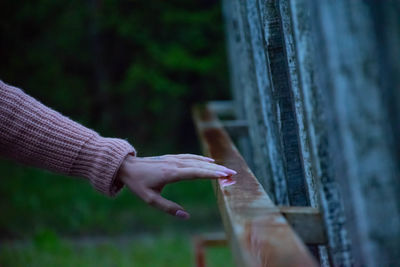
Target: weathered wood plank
{"type": "Point", "coordinates": [236, 127]}
{"type": "Point", "coordinates": [307, 223]}
{"type": "Point", "coordinates": [283, 99]}
{"type": "Point", "coordinates": [359, 133]}
{"type": "Point", "coordinates": [257, 231]}
{"type": "Point", "coordinates": [322, 188]}
{"type": "Point", "coordinates": [342, 76]}
{"type": "Point", "coordinates": [201, 242]}
{"type": "Point", "coordinates": [253, 96]}
{"type": "Point", "coordinates": [223, 107]}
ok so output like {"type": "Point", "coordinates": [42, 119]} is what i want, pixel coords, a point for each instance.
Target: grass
{"type": "Point", "coordinates": [70, 206]}
{"type": "Point", "coordinates": [164, 251]}
{"type": "Point", "coordinates": [44, 217]}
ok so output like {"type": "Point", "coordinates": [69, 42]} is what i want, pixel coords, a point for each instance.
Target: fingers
{"type": "Point", "coordinates": [156, 200]}
{"type": "Point", "coordinates": [165, 205]}
{"type": "Point", "coordinates": [193, 157]}
{"type": "Point", "coordinates": [195, 173]}
{"type": "Point", "coordinates": [196, 161]}
{"type": "Point", "coordinates": [207, 165]}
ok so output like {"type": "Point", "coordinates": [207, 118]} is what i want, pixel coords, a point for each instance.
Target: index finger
{"type": "Point", "coordinates": [195, 173]}
{"type": "Point", "coordinates": [193, 156]}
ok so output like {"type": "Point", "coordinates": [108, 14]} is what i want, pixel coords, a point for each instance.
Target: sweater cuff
{"type": "Point", "coordinates": [99, 160]}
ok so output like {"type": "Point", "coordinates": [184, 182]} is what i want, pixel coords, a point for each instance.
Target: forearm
{"type": "Point", "coordinates": [34, 134]}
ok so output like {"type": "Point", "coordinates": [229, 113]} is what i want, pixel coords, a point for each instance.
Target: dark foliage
{"type": "Point", "coordinates": [130, 69]}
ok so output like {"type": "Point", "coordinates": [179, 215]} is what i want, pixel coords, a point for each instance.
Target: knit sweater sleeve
{"type": "Point", "coordinates": [34, 134]}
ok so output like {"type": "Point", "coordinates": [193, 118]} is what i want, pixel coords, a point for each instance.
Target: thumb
{"type": "Point", "coordinates": [157, 201]}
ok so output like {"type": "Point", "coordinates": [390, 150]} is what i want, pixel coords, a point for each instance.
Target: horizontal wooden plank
{"type": "Point", "coordinates": [236, 127]}
{"type": "Point", "coordinates": [211, 239]}
{"type": "Point", "coordinates": [222, 107]}
{"type": "Point", "coordinates": [307, 222]}
{"type": "Point", "coordinates": [258, 233]}
{"type": "Point", "coordinates": [201, 242]}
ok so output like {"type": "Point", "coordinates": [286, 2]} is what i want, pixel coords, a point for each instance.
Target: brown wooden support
{"type": "Point", "coordinates": [222, 108]}
{"type": "Point", "coordinates": [202, 242]}
{"type": "Point", "coordinates": [258, 233]}
{"type": "Point", "coordinates": [235, 127]}
{"type": "Point", "coordinates": [307, 222]}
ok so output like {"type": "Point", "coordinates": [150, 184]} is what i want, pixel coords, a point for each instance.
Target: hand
{"type": "Point", "coordinates": [147, 176]}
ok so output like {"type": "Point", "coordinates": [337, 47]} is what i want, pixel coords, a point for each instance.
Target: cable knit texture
{"type": "Point", "coordinates": [36, 135]}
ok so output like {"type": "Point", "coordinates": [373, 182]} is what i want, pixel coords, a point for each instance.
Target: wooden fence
{"type": "Point", "coordinates": [316, 94]}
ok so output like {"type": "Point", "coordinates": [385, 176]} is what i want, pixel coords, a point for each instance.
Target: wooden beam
{"type": "Point", "coordinates": [222, 108]}
{"type": "Point", "coordinates": [307, 223]}
{"type": "Point", "coordinates": [258, 233]}
{"type": "Point", "coordinates": [236, 127]}
{"type": "Point", "coordinates": [201, 242]}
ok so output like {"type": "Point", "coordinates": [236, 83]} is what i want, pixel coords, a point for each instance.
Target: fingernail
{"type": "Point", "coordinates": [226, 182]}
{"type": "Point", "coordinates": [182, 214]}
{"type": "Point", "coordinates": [221, 174]}
{"type": "Point", "coordinates": [229, 171]}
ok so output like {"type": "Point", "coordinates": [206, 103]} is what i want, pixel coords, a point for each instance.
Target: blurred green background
{"type": "Point", "coordinates": [129, 69]}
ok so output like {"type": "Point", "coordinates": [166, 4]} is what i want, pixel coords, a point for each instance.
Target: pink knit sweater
{"type": "Point", "coordinates": [36, 135]}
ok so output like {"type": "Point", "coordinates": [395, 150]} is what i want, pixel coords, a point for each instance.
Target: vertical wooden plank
{"type": "Point", "coordinates": [322, 187]}
{"type": "Point", "coordinates": [307, 222]}
{"type": "Point", "coordinates": [344, 78]}
{"type": "Point", "coordinates": [286, 116]}
{"type": "Point", "coordinates": [359, 133]}
{"type": "Point", "coordinates": [233, 40]}
{"type": "Point", "coordinates": [252, 86]}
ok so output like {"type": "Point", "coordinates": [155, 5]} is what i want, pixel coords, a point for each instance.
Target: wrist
{"type": "Point", "coordinates": [124, 168]}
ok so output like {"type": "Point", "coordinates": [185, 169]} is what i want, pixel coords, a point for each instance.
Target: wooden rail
{"type": "Point", "coordinates": [258, 233]}
{"type": "Point", "coordinates": [201, 242]}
